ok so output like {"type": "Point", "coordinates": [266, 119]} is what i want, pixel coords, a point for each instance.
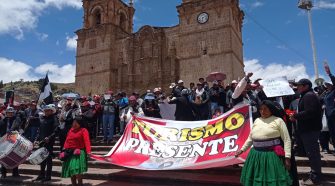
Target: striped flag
{"type": "Point", "coordinates": [46, 92]}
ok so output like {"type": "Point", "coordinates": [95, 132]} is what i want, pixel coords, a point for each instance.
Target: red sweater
{"type": "Point", "coordinates": [78, 139]}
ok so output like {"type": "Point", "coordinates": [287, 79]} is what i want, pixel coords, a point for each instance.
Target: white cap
{"type": "Point", "coordinates": [172, 85]}
{"type": "Point", "coordinates": [156, 90]}
{"type": "Point", "coordinates": [234, 82]}
{"type": "Point", "coordinates": [180, 81]}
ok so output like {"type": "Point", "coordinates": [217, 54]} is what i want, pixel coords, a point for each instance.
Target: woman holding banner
{"type": "Point", "coordinates": [267, 160]}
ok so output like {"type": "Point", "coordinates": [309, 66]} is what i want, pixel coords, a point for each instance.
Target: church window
{"type": "Point", "coordinates": [96, 17]}
{"type": "Point", "coordinates": [204, 51]}
{"type": "Point", "coordinates": [123, 21]}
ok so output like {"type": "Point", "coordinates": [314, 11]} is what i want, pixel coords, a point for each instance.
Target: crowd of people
{"type": "Point", "coordinates": [284, 127]}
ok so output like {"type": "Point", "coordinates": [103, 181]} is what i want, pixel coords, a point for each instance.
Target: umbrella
{"type": "Point", "coordinates": [71, 95]}
{"type": "Point", "coordinates": [216, 76]}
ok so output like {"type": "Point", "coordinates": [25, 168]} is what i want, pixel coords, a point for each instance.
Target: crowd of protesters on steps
{"type": "Point", "coordinates": [284, 127]}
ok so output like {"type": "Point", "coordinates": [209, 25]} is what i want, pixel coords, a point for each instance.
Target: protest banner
{"type": "Point", "coordinates": [276, 87]}
{"type": "Point", "coordinates": [156, 144]}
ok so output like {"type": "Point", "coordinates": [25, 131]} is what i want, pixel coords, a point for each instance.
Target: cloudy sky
{"type": "Point", "coordinates": [38, 36]}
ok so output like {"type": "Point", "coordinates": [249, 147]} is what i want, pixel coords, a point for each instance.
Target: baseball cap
{"type": "Point", "coordinates": [149, 96]}
{"type": "Point", "coordinates": [10, 109]}
{"type": "Point", "coordinates": [234, 82]}
{"type": "Point", "coordinates": [328, 84]}
{"type": "Point", "coordinates": [172, 85]}
{"type": "Point", "coordinates": [304, 82]}
{"type": "Point", "coordinates": [184, 92]}
{"type": "Point", "coordinates": [180, 81]}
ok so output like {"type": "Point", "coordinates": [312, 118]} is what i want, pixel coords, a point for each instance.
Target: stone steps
{"type": "Point", "coordinates": [200, 177]}
{"type": "Point", "coordinates": [56, 181]}
{"type": "Point", "coordinates": [27, 180]}
{"type": "Point", "coordinates": [103, 173]}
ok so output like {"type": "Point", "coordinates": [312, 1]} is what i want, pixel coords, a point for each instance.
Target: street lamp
{"type": "Point", "coordinates": [308, 5]}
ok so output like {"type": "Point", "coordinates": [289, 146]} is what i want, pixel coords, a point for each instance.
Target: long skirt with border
{"type": "Point", "coordinates": [76, 164]}
{"type": "Point", "coordinates": [264, 168]}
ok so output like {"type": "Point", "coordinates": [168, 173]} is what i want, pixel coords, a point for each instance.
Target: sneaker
{"type": "Point", "coordinates": [310, 182]}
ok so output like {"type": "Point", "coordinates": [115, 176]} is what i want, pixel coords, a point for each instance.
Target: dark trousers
{"type": "Point", "coordinates": [312, 148]}
{"type": "Point", "coordinates": [299, 148]}
{"type": "Point", "coordinates": [4, 171]}
{"type": "Point", "coordinates": [294, 171]}
{"type": "Point", "coordinates": [324, 140]}
{"type": "Point", "coordinates": [92, 129]}
{"type": "Point", "coordinates": [47, 163]}
{"type": "Point", "coordinates": [331, 126]}
{"type": "Point", "coordinates": [62, 137]}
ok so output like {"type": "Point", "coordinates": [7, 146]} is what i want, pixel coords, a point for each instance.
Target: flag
{"type": "Point", "coordinates": [46, 92]}
{"type": "Point", "coordinates": [9, 98]}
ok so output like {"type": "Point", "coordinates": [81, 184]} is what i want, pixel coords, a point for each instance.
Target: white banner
{"type": "Point", "coordinates": [276, 87]}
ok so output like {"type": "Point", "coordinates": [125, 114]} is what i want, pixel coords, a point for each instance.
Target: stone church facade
{"type": "Point", "coordinates": [110, 56]}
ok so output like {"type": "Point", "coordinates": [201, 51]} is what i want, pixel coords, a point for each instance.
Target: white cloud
{"type": "Point", "coordinates": [292, 72]}
{"type": "Point", "coordinates": [282, 47]}
{"type": "Point", "coordinates": [12, 70]}
{"type": "Point", "coordinates": [257, 4]}
{"type": "Point", "coordinates": [59, 74]}
{"type": "Point", "coordinates": [64, 3]}
{"type": "Point", "coordinates": [17, 16]}
{"type": "Point", "coordinates": [71, 43]}
{"type": "Point", "coordinates": [322, 4]}
{"type": "Point", "coordinates": [42, 36]}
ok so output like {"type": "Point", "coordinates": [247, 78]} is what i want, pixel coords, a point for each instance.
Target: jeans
{"type": "Point", "coordinates": [312, 148]}
{"type": "Point", "coordinates": [108, 126]}
{"type": "Point", "coordinates": [32, 133]}
{"type": "Point", "coordinates": [324, 140]}
{"type": "Point", "coordinates": [215, 105]}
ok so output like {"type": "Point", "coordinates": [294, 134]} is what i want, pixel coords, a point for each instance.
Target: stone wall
{"type": "Point", "coordinates": [111, 57]}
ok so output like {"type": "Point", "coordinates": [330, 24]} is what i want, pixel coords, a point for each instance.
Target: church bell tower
{"type": "Point", "coordinates": [210, 37]}
{"type": "Point", "coordinates": [105, 22]}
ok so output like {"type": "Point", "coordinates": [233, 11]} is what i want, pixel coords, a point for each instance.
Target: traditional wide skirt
{"type": "Point", "coordinates": [264, 168]}
{"type": "Point", "coordinates": [76, 164]}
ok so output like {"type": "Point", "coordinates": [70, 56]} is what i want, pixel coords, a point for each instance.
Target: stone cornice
{"type": "Point", "coordinates": [92, 53]}
{"type": "Point", "coordinates": [92, 73]}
